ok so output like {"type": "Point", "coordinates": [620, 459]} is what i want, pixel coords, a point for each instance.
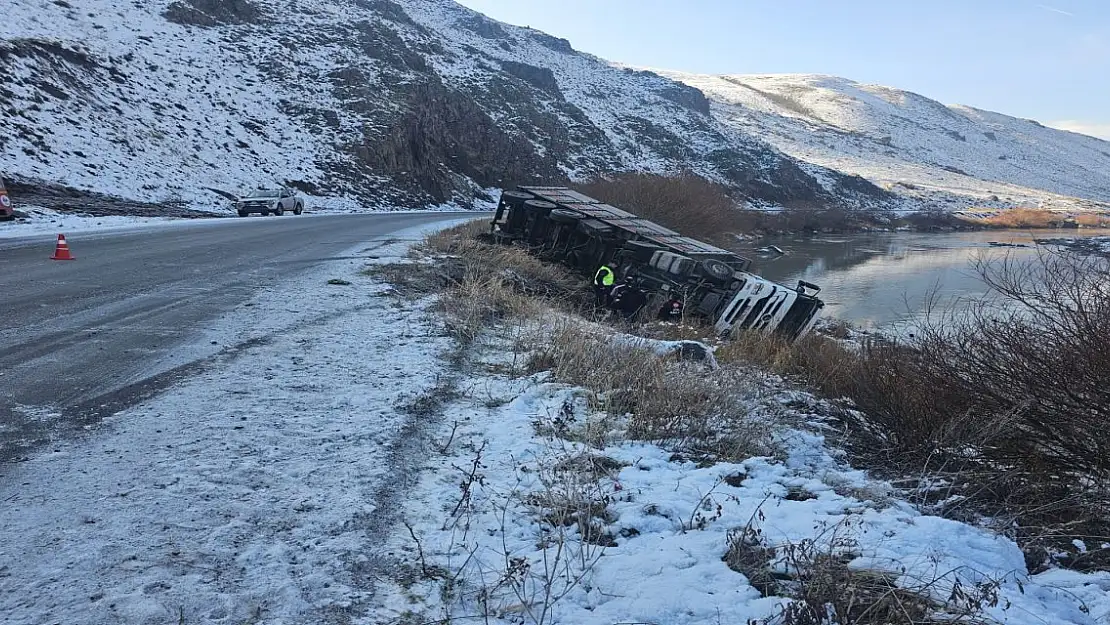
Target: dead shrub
{"type": "Point", "coordinates": [1044, 357]}
{"type": "Point", "coordinates": [678, 404]}
{"type": "Point", "coordinates": [478, 259]}
{"type": "Point", "coordinates": [687, 203]}
{"type": "Point", "coordinates": [478, 301]}
{"type": "Point", "coordinates": [444, 241]}
{"type": "Point", "coordinates": [825, 590]}
{"type": "Point", "coordinates": [818, 360]}
{"type": "Point", "coordinates": [705, 210]}
{"type": "Point", "coordinates": [1006, 399]}
{"type": "Point", "coordinates": [1093, 220]}
{"type": "Point", "coordinates": [481, 283]}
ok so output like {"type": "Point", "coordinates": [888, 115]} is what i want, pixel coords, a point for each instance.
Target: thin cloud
{"type": "Point", "coordinates": [1055, 10]}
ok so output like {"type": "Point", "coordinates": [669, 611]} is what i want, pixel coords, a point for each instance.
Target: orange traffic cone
{"type": "Point", "coordinates": [61, 252]}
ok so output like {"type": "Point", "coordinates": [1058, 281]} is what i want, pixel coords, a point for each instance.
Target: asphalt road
{"type": "Point", "coordinates": [80, 340]}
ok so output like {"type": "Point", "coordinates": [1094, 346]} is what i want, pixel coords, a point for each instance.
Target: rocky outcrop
{"type": "Point", "coordinates": [688, 97]}
{"type": "Point", "coordinates": [442, 135]}
{"type": "Point", "coordinates": [539, 77]}
{"type": "Point", "coordinates": [211, 13]}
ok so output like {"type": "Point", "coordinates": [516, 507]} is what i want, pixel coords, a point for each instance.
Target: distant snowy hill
{"type": "Point", "coordinates": [952, 156]}
{"type": "Point", "coordinates": [379, 102]}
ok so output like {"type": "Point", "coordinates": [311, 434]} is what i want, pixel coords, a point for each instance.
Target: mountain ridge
{"type": "Point", "coordinates": [382, 103]}
{"type": "Point", "coordinates": [952, 155]}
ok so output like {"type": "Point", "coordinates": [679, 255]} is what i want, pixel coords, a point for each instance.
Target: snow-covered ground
{"type": "Point", "coordinates": [330, 466]}
{"type": "Point", "coordinates": [136, 105]}
{"type": "Point", "coordinates": [115, 97]}
{"type": "Point", "coordinates": [944, 155]}
{"type": "Point", "coordinates": [41, 221]}
{"type": "Point", "coordinates": [481, 543]}
{"type": "Point", "coordinates": [256, 492]}
{"type": "Point", "coordinates": [46, 221]}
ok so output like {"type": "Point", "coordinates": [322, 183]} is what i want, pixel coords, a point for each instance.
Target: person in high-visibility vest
{"type": "Point", "coordinates": [603, 282]}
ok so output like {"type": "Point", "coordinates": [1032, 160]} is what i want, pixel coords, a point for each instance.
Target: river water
{"type": "Point", "coordinates": [882, 280]}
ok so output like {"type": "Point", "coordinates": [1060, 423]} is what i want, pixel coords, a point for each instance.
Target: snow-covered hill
{"type": "Point", "coordinates": [948, 155]}
{"type": "Point", "coordinates": [419, 101]}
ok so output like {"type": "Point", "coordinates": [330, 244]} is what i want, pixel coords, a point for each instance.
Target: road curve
{"type": "Point", "coordinates": [82, 339]}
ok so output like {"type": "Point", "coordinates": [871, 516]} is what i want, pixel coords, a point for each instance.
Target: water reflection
{"type": "Point", "coordinates": [883, 279]}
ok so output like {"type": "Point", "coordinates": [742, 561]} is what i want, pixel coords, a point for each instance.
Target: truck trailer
{"type": "Point", "coordinates": [561, 225]}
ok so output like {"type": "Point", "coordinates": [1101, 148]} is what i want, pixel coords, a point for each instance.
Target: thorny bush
{"type": "Point", "coordinates": [1007, 395]}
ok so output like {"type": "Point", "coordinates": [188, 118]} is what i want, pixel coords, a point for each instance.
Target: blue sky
{"type": "Point", "coordinates": [1047, 61]}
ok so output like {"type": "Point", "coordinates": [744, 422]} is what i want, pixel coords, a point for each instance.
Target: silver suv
{"type": "Point", "coordinates": [266, 201]}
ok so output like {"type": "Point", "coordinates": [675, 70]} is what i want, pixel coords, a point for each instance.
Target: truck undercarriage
{"type": "Point", "coordinates": [561, 225]}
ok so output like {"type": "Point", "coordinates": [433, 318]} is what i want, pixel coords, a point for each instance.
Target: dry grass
{"type": "Point", "coordinates": [1025, 218]}
{"type": "Point", "coordinates": [704, 210]}
{"type": "Point", "coordinates": [480, 283]}
{"type": "Point", "coordinates": [689, 204]}
{"type": "Point", "coordinates": [681, 405]}
{"type": "Point", "coordinates": [1093, 220]}
{"type": "Point", "coordinates": [824, 589]}
{"type": "Point", "coordinates": [470, 256]}
{"type": "Point", "coordinates": [1009, 407]}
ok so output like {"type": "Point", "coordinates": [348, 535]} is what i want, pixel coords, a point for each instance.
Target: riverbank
{"type": "Point", "coordinates": [1094, 246]}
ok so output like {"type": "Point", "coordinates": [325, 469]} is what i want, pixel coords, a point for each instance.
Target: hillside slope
{"type": "Point", "coordinates": [955, 156]}
{"type": "Point", "coordinates": [372, 101]}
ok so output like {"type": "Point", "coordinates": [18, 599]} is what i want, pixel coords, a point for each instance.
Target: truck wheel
{"type": "Point", "coordinates": [717, 269]}
{"type": "Point", "coordinates": [265, 213]}
{"type": "Point", "coordinates": [279, 211]}
{"type": "Point", "coordinates": [298, 210]}
{"type": "Point", "coordinates": [243, 213]}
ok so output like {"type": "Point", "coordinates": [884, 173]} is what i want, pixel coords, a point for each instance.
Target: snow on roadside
{"type": "Point", "coordinates": [46, 221]}
{"type": "Point", "coordinates": [256, 491]}
{"type": "Point", "coordinates": [43, 221]}
{"type": "Point", "coordinates": [476, 547]}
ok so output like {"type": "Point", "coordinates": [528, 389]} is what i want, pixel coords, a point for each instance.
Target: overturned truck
{"type": "Point", "coordinates": [561, 225]}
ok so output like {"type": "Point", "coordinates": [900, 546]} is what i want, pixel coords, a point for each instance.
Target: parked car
{"type": "Point", "coordinates": [6, 210]}
{"type": "Point", "coordinates": [266, 201]}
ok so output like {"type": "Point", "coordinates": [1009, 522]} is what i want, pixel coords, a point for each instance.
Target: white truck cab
{"type": "Point", "coordinates": [765, 306]}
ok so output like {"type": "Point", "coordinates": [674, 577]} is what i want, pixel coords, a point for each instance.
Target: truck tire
{"type": "Point", "coordinates": [563, 216]}
{"type": "Point", "coordinates": [279, 210]}
{"type": "Point", "coordinates": [243, 213]}
{"type": "Point", "coordinates": [516, 197]}
{"type": "Point", "coordinates": [265, 213]}
{"type": "Point", "coordinates": [717, 269]}
{"type": "Point", "coordinates": [298, 209]}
